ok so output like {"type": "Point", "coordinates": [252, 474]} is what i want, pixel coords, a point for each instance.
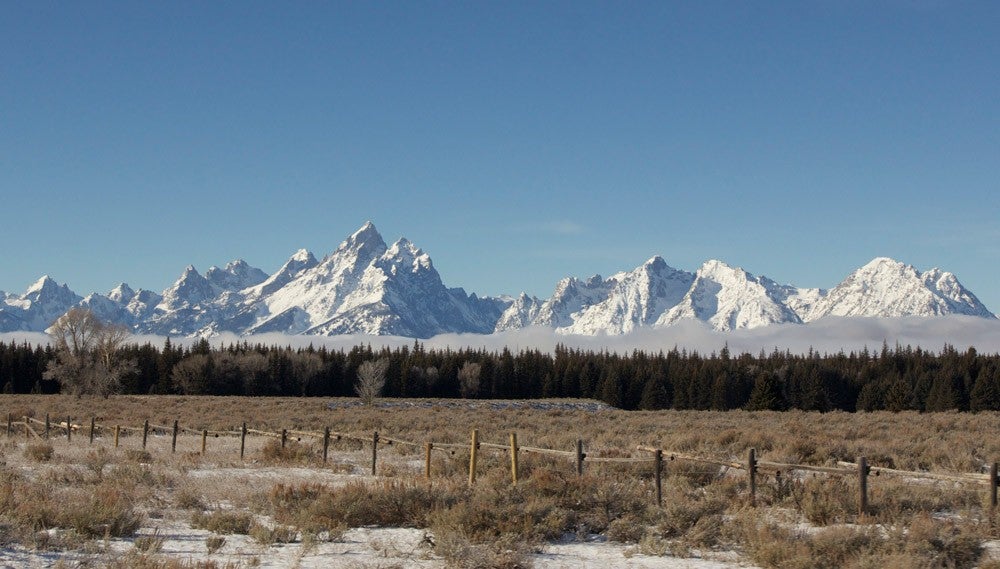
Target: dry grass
{"type": "Point", "coordinates": [96, 491]}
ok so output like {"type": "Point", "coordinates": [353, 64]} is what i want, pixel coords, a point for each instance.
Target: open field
{"type": "Point", "coordinates": [73, 503]}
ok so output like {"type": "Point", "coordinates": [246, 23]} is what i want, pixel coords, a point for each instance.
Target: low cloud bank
{"type": "Point", "coordinates": [827, 335]}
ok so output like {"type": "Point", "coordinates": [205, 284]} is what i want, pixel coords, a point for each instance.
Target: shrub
{"type": "Point", "coordinates": [149, 543]}
{"type": "Point", "coordinates": [460, 553]}
{"type": "Point", "coordinates": [39, 452]}
{"type": "Point", "coordinates": [107, 512]}
{"type": "Point", "coordinates": [626, 529]}
{"type": "Point", "coordinates": [214, 543]}
{"type": "Point", "coordinates": [265, 535]}
{"type": "Point", "coordinates": [223, 522]}
{"type": "Point", "coordinates": [827, 500]}
{"type": "Point", "coordinates": [293, 451]}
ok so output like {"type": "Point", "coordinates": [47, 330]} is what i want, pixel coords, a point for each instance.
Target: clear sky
{"type": "Point", "coordinates": [516, 142]}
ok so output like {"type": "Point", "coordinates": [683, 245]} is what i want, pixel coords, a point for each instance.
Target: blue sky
{"type": "Point", "coordinates": [516, 142]}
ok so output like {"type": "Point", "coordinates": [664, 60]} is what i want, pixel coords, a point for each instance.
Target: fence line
{"type": "Point", "coordinates": [656, 456]}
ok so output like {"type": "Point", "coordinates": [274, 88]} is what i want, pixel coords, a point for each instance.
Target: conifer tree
{"type": "Point", "coordinates": [766, 394]}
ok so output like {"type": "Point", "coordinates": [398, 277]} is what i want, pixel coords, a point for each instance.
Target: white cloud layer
{"type": "Point", "coordinates": [827, 335]}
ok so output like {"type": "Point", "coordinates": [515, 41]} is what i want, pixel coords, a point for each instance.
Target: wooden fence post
{"type": "Point", "coordinates": [118, 432]}
{"type": "Point", "coordinates": [752, 474]}
{"type": "Point", "coordinates": [326, 443]}
{"type": "Point", "coordinates": [243, 439]}
{"type": "Point", "coordinates": [993, 488]}
{"type": "Point", "coordinates": [46, 426]}
{"type": "Point", "coordinates": [374, 451]}
{"type": "Point", "coordinates": [173, 437]}
{"type": "Point", "coordinates": [474, 456]}
{"type": "Point", "coordinates": [863, 485]}
{"type": "Point", "coordinates": [93, 425]}
{"type": "Point", "coordinates": [658, 457]}
{"type": "Point", "coordinates": [69, 429]}
{"type": "Point", "coordinates": [513, 458]}
{"type": "Point", "coordinates": [284, 437]}
{"type": "Point", "coordinates": [145, 433]}
{"type": "Point", "coordinates": [579, 457]}
{"type": "Point", "coordinates": [428, 447]}
{"type": "Point", "coordinates": [204, 440]}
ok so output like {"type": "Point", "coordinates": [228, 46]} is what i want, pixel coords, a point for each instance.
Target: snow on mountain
{"type": "Point", "coordinates": [521, 313]}
{"type": "Point", "coordinates": [368, 287]}
{"type": "Point", "coordinates": [316, 294]}
{"type": "Point", "coordinates": [887, 288]}
{"type": "Point", "coordinates": [730, 298]}
{"type": "Point", "coordinates": [184, 308]}
{"type": "Point", "coordinates": [635, 299]}
{"type": "Point", "coordinates": [799, 300]}
{"type": "Point", "coordinates": [237, 275]}
{"type": "Point", "coordinates": [43, 302]}
{"type": "Point", "coordinates": [365, 287]}
{"type": "Point", "coordinates": [107, 310]}
{"type": "Point", "coordinates": [297, 264]}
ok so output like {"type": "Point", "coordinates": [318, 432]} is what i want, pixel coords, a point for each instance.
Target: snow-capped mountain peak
{"type": "Point", "coordinates": [635, 299]}
{"type": "Point", "coordinates": [729, 298]}
{"type": "Point", "coordinates": [403, 252]}
{"type": "Point", "coordinates": [237, 275]}
{"type": "Point", "coordinates": [885, 287]}
{"type": "Point", "coordinates": [121, 294]}
{"type": "Point", "coordinates": [44, 285]}
{"type": "Point", "coordinates": [190, 290]}
{"type": "Point", "coordinates": [365, 286]}
{"type": "Point", "coordinates": [366, 238]}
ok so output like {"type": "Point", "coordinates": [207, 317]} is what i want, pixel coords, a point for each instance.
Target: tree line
{"type": "Point", "coordinates": [894, 379]}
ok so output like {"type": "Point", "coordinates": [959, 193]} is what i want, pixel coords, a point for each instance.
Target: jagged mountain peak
{"type": "Point", "coordinates": [655, 261]}
{"type": "Point", "coordinates": [302, 255]}
{"type": "Point", "coordinates": [405, 252]}
{"type": "Point", "coordinates": [237, 275]}
{"type": "Point", "coordinates": [47, 288]}
{"type": "Point", "coordinates": [44, 282]}
{"type": "Point", "coordinates": [885, 287]}
{"type": "Point", "coordinates": [730, 298]}
{"type": "Point", "coordinates": [121, 294]}
{"type": "Point", "coordinates": [366, 237]}
{"type": "Point", "coordinates": [631, 300]}
{"type": "Point", "coordinates": [719, 268]}
{"type": "Point", "coordinates": [365, 286]}
{"type": "Point", "coordinates": [886, 266]}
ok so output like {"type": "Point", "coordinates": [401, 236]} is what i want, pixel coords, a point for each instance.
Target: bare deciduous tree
{"type": "Point", "coordinates": [88, 354]}
{"type": "Point", "coordinates": [371, 380]}
{"type": "Point", "coordinates": [468, 379]}
{"type": "Point", "coordinates": [306, 367]}
{"type": "Point", "coordinates": [223, 373]}
{"type": "Point", "coordinates": [190, 375]}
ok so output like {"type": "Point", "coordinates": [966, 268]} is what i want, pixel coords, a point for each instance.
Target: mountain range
{"type": "Point", "coordinates": [368, 287]}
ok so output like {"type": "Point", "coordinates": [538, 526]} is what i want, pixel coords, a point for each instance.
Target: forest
{"type": "Point", "coordinates": [893, 378]}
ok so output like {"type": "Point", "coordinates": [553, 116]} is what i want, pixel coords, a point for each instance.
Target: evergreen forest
{"type": "Point", "coordinates": [893, 378]}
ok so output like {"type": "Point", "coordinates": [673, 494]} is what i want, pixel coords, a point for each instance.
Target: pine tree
{"type": "Point", "coordinates": [898, 394]}
{"type": "Point", "coordinates": [985, 395]}
{"type": "Point", "coordinates": [766, 394]}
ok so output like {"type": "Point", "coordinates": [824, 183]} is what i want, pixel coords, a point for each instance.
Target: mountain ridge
{"type": "Point", "coordinates": [366, 286]}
